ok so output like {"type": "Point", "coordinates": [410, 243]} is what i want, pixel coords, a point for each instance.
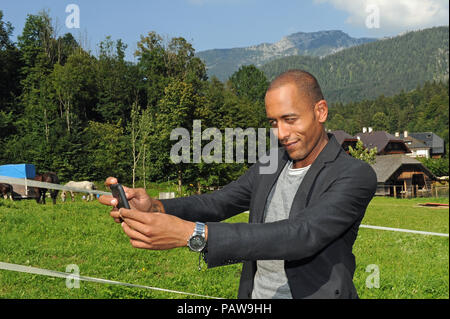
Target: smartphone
{"type": "Point", "coordinates": [119, 193]}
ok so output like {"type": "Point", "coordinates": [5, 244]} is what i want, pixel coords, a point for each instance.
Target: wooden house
{"type": "Point", "coordinates": [399, 175]}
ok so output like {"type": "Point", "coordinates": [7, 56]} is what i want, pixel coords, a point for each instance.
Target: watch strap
{"type": "Point", "coordinates": [199, 229]}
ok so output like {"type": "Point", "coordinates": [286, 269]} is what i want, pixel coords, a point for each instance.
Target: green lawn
{"type": "Point", "coordinates": [54, 236]}
{"type": "Point", "coordinates": [410, 265]}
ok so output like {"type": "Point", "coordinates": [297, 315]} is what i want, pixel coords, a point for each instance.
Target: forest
{"type": "Point", "coordinates": [384, 67]}
{"type": "Point", "coordinates": [88, 116]}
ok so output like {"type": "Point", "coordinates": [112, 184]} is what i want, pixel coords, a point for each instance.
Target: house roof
{"type": "Point", "coordinates": [414, 143]}
{"type": "Point", "coordinates": [378, 139]}
{"type": "Point", "coordinates": [431, 140]}
{"type": "Point", "coordinates": [341, 136]}
{"type": "Point", "coordinates": [386, 165]}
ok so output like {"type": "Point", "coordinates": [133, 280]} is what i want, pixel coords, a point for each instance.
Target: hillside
{"type": "Point", "coordinates": [224, 62]}
{"type": "Point", "coordinates": [383, 67]}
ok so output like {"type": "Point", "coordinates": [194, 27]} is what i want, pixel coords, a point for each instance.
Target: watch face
{"type": "Point", "coordinates": [197, 243]}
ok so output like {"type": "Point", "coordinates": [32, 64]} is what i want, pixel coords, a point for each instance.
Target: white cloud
{"type": "Point", "coordinates": [395, 15]}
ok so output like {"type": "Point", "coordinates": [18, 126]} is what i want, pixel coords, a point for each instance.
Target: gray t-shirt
{"type": "Point", "coordinates": [270, 278]}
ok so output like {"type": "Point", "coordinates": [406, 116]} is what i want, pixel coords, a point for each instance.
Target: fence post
{"type": "Point", "coordinates": [406, 189]}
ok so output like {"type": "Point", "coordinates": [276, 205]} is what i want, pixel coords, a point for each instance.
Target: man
{"type": "Point", "coordinates": [303, 219]}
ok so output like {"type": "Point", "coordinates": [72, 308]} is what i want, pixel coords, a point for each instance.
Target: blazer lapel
{"type": "Point", "coordinates": [266, 183]}
{"type": "Point", "coordinates": [302, 193]}
{"type": "Point", "coordinates": [329, 153]}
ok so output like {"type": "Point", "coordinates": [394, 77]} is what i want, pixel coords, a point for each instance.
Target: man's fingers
{"type": "Point", "coordinates": [133, 233]}
{"type": "Point", "coordinates": [115, 214]}
{"type": "Point", "coordinates": [111, 180]}
{"type": "Point", "coordinates": [134, 214]}
{"type": "Point", "coordinates": [139, 240]}
{"type": "Point", "coordinates": [136, 225]}
{"type": "Point", "coordinates": [154, 231]}
{"type": "Point", "coordinates": [129, 192]}
{"type": "Point", "coordinates": [108, 200]}
{"type": "Point", "coordinates": [137, 193]}
{"type": "Point", "coordinates": [140, 244]}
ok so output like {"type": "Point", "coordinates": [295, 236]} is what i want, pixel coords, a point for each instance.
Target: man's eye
{"type": "Point", "coordinates": [290, 120]}
{"type": "Point", "coordinates": [272, 123]}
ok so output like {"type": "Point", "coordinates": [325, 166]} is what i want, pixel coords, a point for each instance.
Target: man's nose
{"type": "Point", "coordinates": [283, 132]}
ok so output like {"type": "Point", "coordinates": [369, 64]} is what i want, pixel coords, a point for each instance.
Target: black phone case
{"type": "Point", "coordinates": [119, 193]}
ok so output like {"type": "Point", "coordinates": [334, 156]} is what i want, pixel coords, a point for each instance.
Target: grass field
{"type": "Point", "coordinates": [82, 233]}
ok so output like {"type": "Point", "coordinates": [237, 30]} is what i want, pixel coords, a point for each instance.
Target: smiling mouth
{"type": "Point", "coordinates": [290, 145]}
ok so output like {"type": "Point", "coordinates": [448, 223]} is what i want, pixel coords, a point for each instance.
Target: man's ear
{"type": "Point", "coordinates": [321, 111]}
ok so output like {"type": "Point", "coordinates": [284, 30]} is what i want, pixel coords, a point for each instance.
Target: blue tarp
{"type": "Point", "coordinates": [18, 170]}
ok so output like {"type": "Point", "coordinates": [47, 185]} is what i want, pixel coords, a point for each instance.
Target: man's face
{"type": "Point", "coordinates": [298, 120]}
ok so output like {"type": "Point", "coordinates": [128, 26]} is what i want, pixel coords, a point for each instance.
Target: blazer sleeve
{"type": "Point", "coordinates": [304, 235]}
{"type": "Point", "coordinates": [232, 199]}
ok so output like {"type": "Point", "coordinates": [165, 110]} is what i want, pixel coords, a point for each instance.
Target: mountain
{"type": "Point", "coordinates": [384, 67]}
{"type": "Point", "coordinates": [224, 62]}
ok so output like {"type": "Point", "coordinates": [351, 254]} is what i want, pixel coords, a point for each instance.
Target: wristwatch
{"type": "Point", "coordinates": [197, 241]}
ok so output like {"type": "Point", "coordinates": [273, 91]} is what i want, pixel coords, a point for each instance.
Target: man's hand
{"type": "Point", "coordinates": [137, 198]}
{"type": "Point", "coordinates": [155, 231]}
{"type": "Point", "coordinates": [149, 231]}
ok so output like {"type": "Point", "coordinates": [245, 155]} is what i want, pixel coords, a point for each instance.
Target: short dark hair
{"type": "Point", "coordinates": [305, 82]}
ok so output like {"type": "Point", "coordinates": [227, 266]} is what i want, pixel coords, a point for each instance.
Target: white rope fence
{"type": "Point", "coordinates": [71, 276]}
{"type": "Point", "coordinates": [404, 230]}
{"type": "Point", "coordinates": [33, 183]}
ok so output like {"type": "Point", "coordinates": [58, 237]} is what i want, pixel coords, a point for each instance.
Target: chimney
{"type": "Point", "coordinates": [405, 134]}
{"type": "Point", "coordinates": [364, 129]}
{"type": "Point", "coordinates": [370, 130]}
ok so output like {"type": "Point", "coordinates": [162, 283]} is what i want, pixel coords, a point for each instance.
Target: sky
{"type": "Point", "coordinates": [210, 24]}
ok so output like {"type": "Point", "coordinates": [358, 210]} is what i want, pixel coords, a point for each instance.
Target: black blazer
{"type": "Point", "coordinates": [315, 241]}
